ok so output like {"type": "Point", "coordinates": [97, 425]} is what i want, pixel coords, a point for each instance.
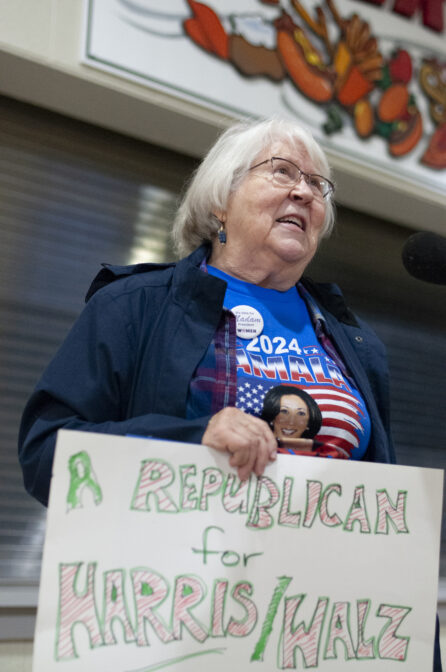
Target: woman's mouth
{"type": "Point", "coordinates": [288, 432]}
{"type": "Point", "coordinates": [294, 220]}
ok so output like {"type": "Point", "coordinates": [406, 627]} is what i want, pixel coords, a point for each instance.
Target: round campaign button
{"type": "Point", "coordinates": [249, 321]}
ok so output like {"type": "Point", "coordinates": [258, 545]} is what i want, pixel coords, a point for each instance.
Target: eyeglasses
{"type": "Point", "coordinates": [285, 173]}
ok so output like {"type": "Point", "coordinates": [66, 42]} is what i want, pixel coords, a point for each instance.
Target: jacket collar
{"type": "Point", "coordinates": [327, 294]}
{"type": "Point", "coordinates": [331, 298]}
{"type": "Point", "coordinates": [111, 272]}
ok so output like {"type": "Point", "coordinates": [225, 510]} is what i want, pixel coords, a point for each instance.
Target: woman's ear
{"type": "Point", "coordinates": [220, 215]}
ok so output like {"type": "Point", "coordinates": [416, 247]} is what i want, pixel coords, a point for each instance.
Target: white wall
{"type": "Point", "coordinates": [40, 47]}
{"type": "Point", "coordinates": [40, 51]}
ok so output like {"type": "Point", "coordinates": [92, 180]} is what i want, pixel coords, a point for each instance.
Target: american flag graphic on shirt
{"type": "Point", "coordinates": [289, 350]}
{"type": "Point", "coordinates": [342, 411]}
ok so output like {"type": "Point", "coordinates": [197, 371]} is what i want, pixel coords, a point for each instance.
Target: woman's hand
{"type": "Point", "coordinates": [248, 439]}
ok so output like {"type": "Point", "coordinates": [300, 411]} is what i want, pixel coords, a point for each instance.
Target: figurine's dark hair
{"type": "Point", "coordinates": [271, 407]}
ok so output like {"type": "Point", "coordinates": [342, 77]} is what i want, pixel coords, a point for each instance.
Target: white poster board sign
{"type": "Point", "coordinates": [158, 557]}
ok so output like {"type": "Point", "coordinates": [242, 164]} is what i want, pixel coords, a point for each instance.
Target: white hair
{"type": "Point", "coordinates": [222, 170]}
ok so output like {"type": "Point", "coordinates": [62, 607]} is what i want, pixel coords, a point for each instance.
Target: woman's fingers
{"type": "Point", "coordinates": [248, 439]}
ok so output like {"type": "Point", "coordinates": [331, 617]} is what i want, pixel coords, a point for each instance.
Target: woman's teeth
{"type": "Point", "coordinates": [292, 220]}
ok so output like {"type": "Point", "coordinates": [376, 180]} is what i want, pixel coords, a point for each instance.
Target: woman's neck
{"type": "Point", "coordinates": [257, 271]}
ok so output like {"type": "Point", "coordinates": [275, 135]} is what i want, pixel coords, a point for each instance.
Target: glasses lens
{"type": "Point", "coordinates": [285, 173]}
{"type": "Point", "coordinates": [327, 188]}
{"type": "Point", "coordinates": [318, 184]}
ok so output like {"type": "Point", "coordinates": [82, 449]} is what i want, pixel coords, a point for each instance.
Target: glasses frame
{"type": "Point", "coordinates": [302, 175]}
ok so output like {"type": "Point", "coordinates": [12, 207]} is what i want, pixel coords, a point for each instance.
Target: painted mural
{"type": "Point", "coordinates": [368, 77]}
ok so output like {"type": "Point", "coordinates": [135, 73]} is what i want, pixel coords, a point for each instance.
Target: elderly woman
{"type": "Point", "coordinates": [187, 351]}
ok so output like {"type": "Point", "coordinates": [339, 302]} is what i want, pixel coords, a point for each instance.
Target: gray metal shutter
{"type": "Point", "coordinates": [71, 196]}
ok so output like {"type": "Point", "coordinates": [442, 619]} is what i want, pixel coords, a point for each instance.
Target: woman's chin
{"type": "Point", "coordinates": [292, 251]}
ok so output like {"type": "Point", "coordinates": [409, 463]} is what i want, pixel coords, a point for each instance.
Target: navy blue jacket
{"type": "Point", "coordinates": [126, 365]}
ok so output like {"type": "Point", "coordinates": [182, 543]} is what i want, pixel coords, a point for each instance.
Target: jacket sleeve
{"type": "Point", "coordinates": [87, 387]}
{"type": "Point", "coordinates": [378, 375]}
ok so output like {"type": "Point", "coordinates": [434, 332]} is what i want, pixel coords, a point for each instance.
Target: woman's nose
{"type": "Point", "coordinates": [301, 191]}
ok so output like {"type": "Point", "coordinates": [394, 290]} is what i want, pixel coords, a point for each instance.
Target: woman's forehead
{"type": "Point", "coordinates": [293, 151]}
{"type": "Point", "coordinates": [292, 400]}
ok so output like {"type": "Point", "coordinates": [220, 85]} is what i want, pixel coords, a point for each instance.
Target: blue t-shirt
{"type": "Point", "coordinates": [286, 350]}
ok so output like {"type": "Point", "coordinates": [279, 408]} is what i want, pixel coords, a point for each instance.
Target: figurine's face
{"type": "Point", "coordinates": [292, 419]}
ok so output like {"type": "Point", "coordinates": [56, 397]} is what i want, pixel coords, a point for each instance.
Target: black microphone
{"type": "Point", "coordinates": [424, 257]}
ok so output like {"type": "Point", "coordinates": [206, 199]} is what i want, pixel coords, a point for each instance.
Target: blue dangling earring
{"type": "Point", "coordinates": [221, 235]}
